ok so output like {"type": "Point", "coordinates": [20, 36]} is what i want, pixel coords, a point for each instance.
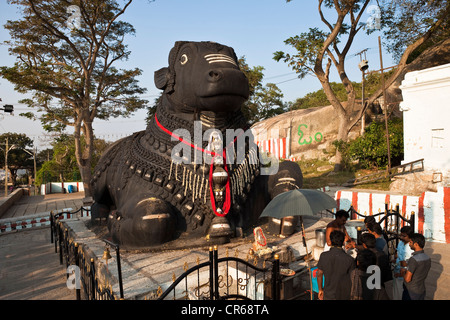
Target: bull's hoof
{"type": "Point", "coordinates": [99, 212]}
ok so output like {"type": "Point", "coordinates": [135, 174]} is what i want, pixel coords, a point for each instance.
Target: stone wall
{"type": "Point", "coordinates": [7, 202]}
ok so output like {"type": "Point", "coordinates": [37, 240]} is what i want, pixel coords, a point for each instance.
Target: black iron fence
{"type": "Point", "coordinates": [215, 279]}
{"type": "Point", "coordinates": [79, 263]}
{"type": "Point", "coordinates": [391, 220]}
{"type": "Point", "coordinates": [227, 278]}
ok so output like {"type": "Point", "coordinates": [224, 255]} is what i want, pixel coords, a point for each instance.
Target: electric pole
{"type": "Point", "coordinates": [385, 107]}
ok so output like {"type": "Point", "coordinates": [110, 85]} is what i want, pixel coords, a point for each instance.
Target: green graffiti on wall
{"type": "Point", "coordinates": [317, 137]}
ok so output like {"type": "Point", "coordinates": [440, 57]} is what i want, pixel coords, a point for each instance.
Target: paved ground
{"type": "Point", "coordinates": [29, 266]}
{"type": "Point", "coordinates": [44, 203]}
{"type": "Point", "coordinates": [30, 269]}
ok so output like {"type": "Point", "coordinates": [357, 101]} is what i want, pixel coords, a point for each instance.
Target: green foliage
{"type": "Point", "coordinates": [319, 99]}
{"type": "Point", "coordinates": [69, 66]}
{"type": "Point", "coordinates": [404, 21]}
{"type": "Point", "coordinates": [63, 165]}
{"type": "Point", "coordinates": [307, 46]}
{"type": "Point", "coordinates": [17, 157]}
{"type": "Point", "coordinates": [75, 67]}
{"type": "Point", "coordinates": [264, 101]}
{"type": "Point", "coordinates": [371, 148]}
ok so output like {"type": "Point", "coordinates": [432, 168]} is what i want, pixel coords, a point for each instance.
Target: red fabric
{"type": "Point", "coordinates": [227, 203]}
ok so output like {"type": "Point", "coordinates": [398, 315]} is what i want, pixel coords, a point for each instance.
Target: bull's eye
{"type": "Point", "coordinates": [184, 59]}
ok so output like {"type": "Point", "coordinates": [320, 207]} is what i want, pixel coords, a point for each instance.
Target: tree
{"type": "Point", "coordinates": [403, 22]}
{"type": "Point", "coordinates": [409, 28]}
{"type": "Point", "coordinates": [264, 101]}
{"type": "Point", "coordinates": [67, 52]}
{"type": "Point", "coordinates": [17, 157]}
{"type": "Point", "coordinates": [316, 47]}
{"type": "Point", "coordinates": [59, 163]}
{"type": "Point", "coordinates": [317, 51]}
{"type": "Point", "coordinates": [319, 98]}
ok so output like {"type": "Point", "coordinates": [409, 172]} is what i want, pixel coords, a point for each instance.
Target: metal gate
{"type": "Point", "coordinates": [391, 222]}
{"type": "Point", "coordinates": [228, 278]}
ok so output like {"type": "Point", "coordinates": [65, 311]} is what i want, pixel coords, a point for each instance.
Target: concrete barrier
{"type": "Point", "coordinates": [7, 202]}
{"type": "Point", "coordinates": [37, 220]}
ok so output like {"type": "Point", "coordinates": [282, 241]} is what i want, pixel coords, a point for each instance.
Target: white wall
{"type": "Point", "coordinates": [432, 209]}
{"type": "Point", "coordinates": [426, 114]}
{"type": "Point", "coordinates": [56, 187]}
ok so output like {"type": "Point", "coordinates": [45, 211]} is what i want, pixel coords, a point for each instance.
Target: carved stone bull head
{"type": "Point", "coordinates": [203, 76]}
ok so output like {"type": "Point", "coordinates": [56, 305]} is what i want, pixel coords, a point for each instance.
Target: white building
{"type": "Point", "coordinates": [426, 119]}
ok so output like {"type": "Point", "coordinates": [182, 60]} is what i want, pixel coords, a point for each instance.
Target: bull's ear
{"type": "Point", "coordinates": [162, 78]}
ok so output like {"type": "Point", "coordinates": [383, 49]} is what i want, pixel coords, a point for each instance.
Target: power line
{"type": "Point", "coordinates": [296, 78]}
{"type": "Point", "coordinates": [280, 75]}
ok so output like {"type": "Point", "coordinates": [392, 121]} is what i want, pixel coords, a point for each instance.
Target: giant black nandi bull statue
{"type": "Point", "coordinates": [195, 172]}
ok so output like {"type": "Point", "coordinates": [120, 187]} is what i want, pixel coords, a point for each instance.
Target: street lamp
{"type": "Point", "coordinates": [7, 150]}
{"type": "Point", "coordinates": [8, 108]}
{"type": "Point", "coordinates": [34, 160]}
{"type": "Point", "coordinates": [363, 66]}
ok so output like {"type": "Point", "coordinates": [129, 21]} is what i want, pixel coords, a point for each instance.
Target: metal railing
{"type": "Point", "coordinates": [391, 221]}
{"type": "Point", "coordinates": [77, 260]}
{"type": "Point", "coordinates": [242, 282]}
{"type": "Point", "coordinates": [227, 277]}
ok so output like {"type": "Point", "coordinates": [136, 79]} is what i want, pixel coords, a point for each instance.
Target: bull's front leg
{"type": "Point", "coordinates": [288, 177]}
{"type": "Point", "coordinates": [148, 222]}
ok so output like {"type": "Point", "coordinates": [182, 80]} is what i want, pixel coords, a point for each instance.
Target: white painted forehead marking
{"type": "Point", "coordinates": [217, 57]}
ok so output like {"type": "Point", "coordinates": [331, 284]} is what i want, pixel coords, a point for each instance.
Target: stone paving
{"type": "Point", "coordinates": [29, 205]}
{"type": "Point", "coordinates": [30, 269]}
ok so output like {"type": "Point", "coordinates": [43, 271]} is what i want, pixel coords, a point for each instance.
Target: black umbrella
{"type": "Point", "coordinates": [299, 202]}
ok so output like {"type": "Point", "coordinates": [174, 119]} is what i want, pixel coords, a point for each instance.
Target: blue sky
{"type": "Point", "coordinates": [254, 28]}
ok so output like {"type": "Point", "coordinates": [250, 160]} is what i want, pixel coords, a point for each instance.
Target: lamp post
{"type": "Point", "coordinates": [7, 150]}
{"type": "Point", "coordinates": [34, 160]}
{"type": "Point", "coordinates": [363, 66]}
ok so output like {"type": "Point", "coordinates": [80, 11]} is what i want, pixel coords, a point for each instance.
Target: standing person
{"type": "Point", "coordinates": [338, 224]}
{"type": "Point", "coordinates": [368, 220]}
{"type": "Point", "coordinates": [335, 265]}
{"type": "Point", "coordinates": [404, 252]}
{"type": "Point", "coordinates": [382, 261]}
{"type": "Point", "coordinates": [380, 242]}
{"type": "Point", "coordinates": [417, 271]}
{"type": "Point", "coordinates": [359, 276]}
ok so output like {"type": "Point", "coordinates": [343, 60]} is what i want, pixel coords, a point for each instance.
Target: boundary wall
{"type": "Point", "coordinates": [432, 209]}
